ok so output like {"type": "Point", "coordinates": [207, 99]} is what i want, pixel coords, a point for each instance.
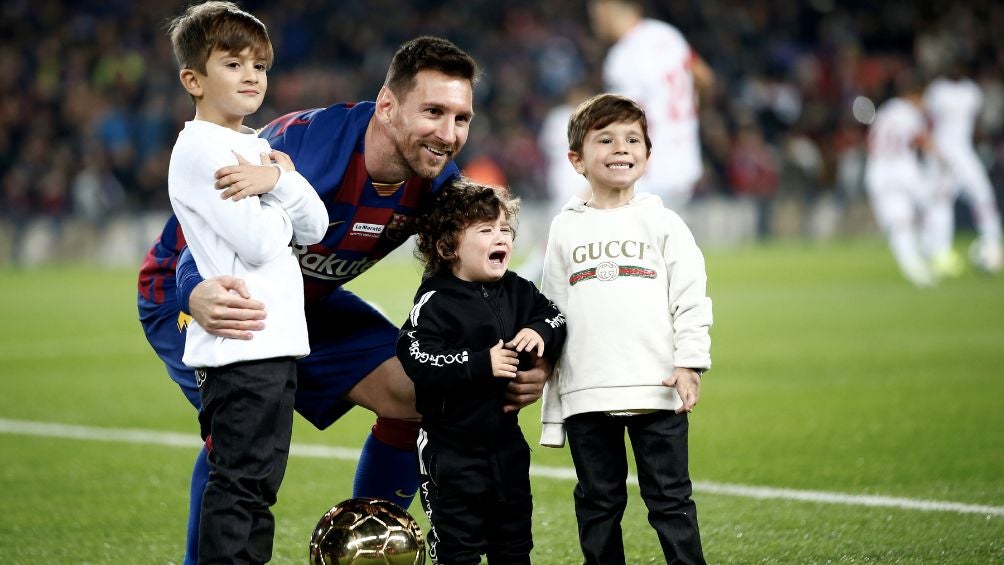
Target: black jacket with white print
{"type": "Point", "coordinates": [445, 349]}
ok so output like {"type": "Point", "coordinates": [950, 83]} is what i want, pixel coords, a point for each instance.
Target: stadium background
{"type": "Point", "coordinates": [90, 103]}
{"type": "Point", "coordinates": [849, 418]}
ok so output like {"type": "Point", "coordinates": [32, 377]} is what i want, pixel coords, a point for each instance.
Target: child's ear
{"type": "Point", "coordinates": [444, 251]}
{"type": "Point", "coordinates": [576, 160]}
{"type": "Point", "coordinates": [190, 80]}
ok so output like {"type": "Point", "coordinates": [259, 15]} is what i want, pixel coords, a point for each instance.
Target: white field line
{"type": "Point", "coordinates": [171, 439]}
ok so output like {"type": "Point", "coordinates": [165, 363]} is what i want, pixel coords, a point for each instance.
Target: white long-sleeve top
{"type": "Point", "coordinates": [632, 285]}
{"type": "Point", "coordinates": [954, 106]}
{"type": "Point", "coordinates": [893, 164]}
{"type": "Point", "coordinates": [249, 239]}
{"type": "Point", "coordinates": [893, 136]}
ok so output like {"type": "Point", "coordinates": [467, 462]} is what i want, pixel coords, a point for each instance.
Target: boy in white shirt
{"type": "Point", "coordinates": [246, 386]}
{"type": "Point", "coordinates": [630, 279]}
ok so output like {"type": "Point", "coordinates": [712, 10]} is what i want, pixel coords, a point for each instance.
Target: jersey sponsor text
{"type": "Point", "coordinates": [330, 266]}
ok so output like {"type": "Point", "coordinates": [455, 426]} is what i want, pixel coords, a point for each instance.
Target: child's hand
{"type": "Point", "coordinates": [688, 386]}
{"type": "Point", "coordinates": [283, 160]}
{"type": "Point", "coordinates": [527, 340]}
{"type": "Point", "coordinates": [244, 179]}
{"type": "Point", "coordinates": [504, 361]}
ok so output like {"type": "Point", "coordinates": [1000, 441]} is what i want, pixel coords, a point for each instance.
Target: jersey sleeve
{"type": "Point", "coordinates": [187, 277]}
{"type": "Point", "coordinates": [426, 358]}
{"type": "Point", "coordinates": [156, 274]}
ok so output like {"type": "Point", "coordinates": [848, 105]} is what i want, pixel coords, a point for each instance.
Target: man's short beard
{"type": "Point", "coordinates": [435, 173]}
{"type": "Point", "coordinates": [416, 167]}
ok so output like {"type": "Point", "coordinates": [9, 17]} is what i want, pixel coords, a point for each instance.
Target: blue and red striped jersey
{"type": "Point", "coordinates": [367, 220]}
{"type": "Point", "coordinates": [156, 275]}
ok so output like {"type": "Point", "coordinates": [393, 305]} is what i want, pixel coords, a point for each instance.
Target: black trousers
{"type": "Point", "coordinates": [477, 504]}
{"type": "Point", "coordinates": [659, 441]}
{"type": "Point", "coordinates": [247, 409]}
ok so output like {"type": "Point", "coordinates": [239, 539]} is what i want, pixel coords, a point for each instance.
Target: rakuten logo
{"type": "Point", "coordinates": [330, 267]}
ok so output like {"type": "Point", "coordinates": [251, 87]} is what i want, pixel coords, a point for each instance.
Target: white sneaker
{"type": "Point", "coordinates": [986, 256]}
{"type": "Point", "coordinates": [919, 276]}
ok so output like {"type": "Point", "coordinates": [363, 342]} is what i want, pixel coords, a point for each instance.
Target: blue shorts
{"type": "Point", "coordinates": [348, 340]}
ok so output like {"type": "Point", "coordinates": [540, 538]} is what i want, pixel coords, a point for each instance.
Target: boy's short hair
{"type": "Point", "coordinates": [428, 53]}
{"type": "Point", "coordinates": [455, 207]}
{"type": "Point", "coordinates": [600, 111]}
{"type": "Point", "coordinates": [217, 25]}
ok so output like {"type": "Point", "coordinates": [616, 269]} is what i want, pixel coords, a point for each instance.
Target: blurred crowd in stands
{"type": "Point", "coordinates": [90, 102]}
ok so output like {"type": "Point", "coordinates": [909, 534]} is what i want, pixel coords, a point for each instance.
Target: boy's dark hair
{"type": "Point", "coordinates": [428, 53]}
{"type": "Point", "coordinates": [217, 25]}
{"type": "Point", "coordinates": [600, 111]}
{"type": "Point", "coordinates": [455, 207]}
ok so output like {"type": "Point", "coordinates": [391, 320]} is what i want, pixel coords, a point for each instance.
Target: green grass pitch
{"type": "Point", "coordinates": [832, 378]}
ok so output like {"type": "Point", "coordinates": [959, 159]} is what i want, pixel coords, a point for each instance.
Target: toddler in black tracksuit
{"type": "Point", "coordinates": [473, 325]}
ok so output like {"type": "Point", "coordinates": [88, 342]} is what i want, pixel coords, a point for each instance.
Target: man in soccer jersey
{"type": "Point", "coordinates": [651, 63]}
{"type": "Point", "coordinates": [372, 163]}
{"type": "Point", "coordinates": [953, 103]}
{"type": "Point", "coordinates": [899, 191]}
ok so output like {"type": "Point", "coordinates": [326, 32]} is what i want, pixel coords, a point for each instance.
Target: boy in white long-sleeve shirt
{"type": "Point", "coordinates": [240, 219]}
{"type": "Point", "coordinates": [630, 279]}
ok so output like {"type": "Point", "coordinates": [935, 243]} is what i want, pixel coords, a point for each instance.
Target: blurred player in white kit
{"type": "Point", "coordinates": [953, 104]}
{"type": "Point", "coordinates": [899, 191]}
{"type": "Point", "coordinates": [562, 180]}
{"type": "Point", "coordinates": [651, 63]}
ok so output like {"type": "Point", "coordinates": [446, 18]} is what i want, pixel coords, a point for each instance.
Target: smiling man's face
{"type": "Point", "coordinates": [431, 122]}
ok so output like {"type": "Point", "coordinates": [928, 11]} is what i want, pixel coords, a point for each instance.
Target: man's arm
{"type": "Point", "coordinates": [704, 79]}
{"type": "Point", "coordinates": [221, 305]}
{"type": "Point", "coordinates": [528, 385]}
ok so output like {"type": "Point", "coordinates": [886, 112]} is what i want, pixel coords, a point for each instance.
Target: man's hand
{"type": "Point", "coordinates": [688, 386]}
{"type": "Point", "coordinates": [244, 179]}
{"type": "Point", "coordinates": [224, 308]}
{"type": "Point", "coordinates": [527, 387]}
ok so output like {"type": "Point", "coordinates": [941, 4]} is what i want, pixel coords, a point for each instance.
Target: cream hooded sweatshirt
{"type": "Point", "coordinates": [632, 285]}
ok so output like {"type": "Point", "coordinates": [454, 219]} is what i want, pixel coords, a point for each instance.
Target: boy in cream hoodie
{"type": "Point", "coordinates": [630, 279]}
